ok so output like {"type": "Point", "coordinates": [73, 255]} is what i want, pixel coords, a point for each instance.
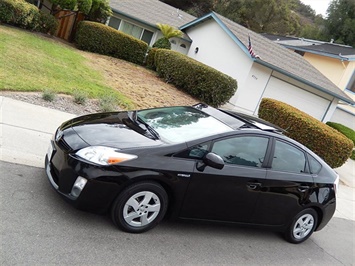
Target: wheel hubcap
{"type": "Point", "coordinates": [303, 226]}
{"type": "Point", "coordinates": [141, 209]}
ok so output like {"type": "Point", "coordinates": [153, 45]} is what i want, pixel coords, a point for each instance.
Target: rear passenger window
{"type": "Point", "coordinates": [288, 158]}
{"type": "Point", "coordinates": [314, 165]}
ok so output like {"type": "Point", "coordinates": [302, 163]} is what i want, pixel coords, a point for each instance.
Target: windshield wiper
{"type": "Point", "coordinates": [138, 122]}
{"type": "Point", "coordinates": [152, 131]}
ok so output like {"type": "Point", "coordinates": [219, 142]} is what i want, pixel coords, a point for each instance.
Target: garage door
{"type": "Point", "coordinates": [307, 102]}
{"type": "Point", "coordinates": [344, 118]}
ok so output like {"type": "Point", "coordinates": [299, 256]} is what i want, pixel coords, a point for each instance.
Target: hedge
{"type": "Point", "coordinates": [200, 81]}
{"type": "Point", "coordinates": [98, 38]}
{"type": "Point", "coordinates": [325, 141]}
{"type": "Point", "coordinates": [25, 15]}
{"type": "Point", "coordinates": [348, 132]}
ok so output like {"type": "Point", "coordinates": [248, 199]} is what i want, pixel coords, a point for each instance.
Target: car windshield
{"type": "Point", "coordinates": [181, 124]}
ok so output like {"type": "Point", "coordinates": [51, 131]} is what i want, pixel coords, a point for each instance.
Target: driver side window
{"type": "Point", "coordinates": [245, 150]}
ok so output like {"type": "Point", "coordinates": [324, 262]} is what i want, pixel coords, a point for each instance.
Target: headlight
{"type": "Point", "coordinates": [104, 155]}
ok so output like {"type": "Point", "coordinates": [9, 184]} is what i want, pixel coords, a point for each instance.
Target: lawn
{"type": "Point", "coordinates": [33, 62]}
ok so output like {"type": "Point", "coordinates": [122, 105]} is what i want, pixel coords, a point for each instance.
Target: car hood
{"type": "Point", "coordinates": [113, 129]}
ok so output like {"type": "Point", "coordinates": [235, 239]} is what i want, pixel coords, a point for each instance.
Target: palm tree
{"type": "Point", "coordinates": [168, 32]}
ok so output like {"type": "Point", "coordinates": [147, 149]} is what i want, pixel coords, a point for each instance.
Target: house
{"type": "Point", "coordinates": [335, 61]}
{"type": "Point", "coordinates": [222, 44]}
{"type": "Point", "coordinates": [276, 73]}
{"type": "Point", "coordinates": [139, 18]}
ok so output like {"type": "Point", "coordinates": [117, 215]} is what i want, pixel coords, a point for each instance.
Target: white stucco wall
{"type": "Point", "coordinates": [217, 49]}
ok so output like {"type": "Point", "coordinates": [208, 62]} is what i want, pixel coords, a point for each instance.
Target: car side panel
{"type": "Point", "coordinates": [223, 195]}
{"type": "Point", "coordinates": [282, 196]}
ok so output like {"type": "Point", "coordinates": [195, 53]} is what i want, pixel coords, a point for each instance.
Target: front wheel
{"type": "Point", "coordinates": [302, 226]}
{"type": "Point", "coordinates": [140, 207]}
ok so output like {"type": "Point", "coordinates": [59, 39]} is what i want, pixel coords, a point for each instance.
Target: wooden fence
{"type": "Point", "coordinates": [68, 21]}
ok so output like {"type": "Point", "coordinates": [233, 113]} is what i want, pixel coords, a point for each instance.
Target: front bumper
{"type": "Point", "coordinates": [102, 187]}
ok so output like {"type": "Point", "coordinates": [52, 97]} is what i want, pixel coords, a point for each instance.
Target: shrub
{"type": "Point", "coordinates": [19, 13]}
{"type": "Point", "coordinates": [98, 38]}
{"type": "Point", "coordinates": [65, 4]}
{"type": "Point", "coordinates": [84, 6]}
{"type": "Point", "coordinates": [149, 60]}
{"type": "Point", "coordinates": [328, 143]}
{"type": "Point", "coordinates": [201, 81]}
{"type": "Point", "coordinates": [80, 97]}
{"type": "Point", "coordinates": [25, 15]}
{"type": "Point", "coordinates": [162, 43]}
{"type": "Point", "coordinates": [108, 103]}
{"type": "Point", "coordinates": [348, 132]}
{"type": "Point", "coordinates": [47, 23]}
{"type": "Point", "coordinates": [48, 95]}
{"type": "Point", "coordinates": [100, 11]}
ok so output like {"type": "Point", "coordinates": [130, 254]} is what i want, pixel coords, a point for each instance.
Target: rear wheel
{"type": "Point", "coordinates": [302, 226]}
{"type": "Point", "coordinates": [140, 207]}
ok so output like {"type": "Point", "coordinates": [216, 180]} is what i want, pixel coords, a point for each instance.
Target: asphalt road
{"type": "Point", "coordinates": [39, 228]}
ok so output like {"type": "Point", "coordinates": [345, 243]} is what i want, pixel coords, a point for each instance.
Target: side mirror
{"type": "Point", "coordinates": [211, 159]}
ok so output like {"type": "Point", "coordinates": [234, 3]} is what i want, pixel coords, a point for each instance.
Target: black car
{"type": "Point", "coordinates": [188, 162]}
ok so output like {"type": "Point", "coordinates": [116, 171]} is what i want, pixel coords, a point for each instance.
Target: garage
{"type": "Point", "coordinates": [308, 102]}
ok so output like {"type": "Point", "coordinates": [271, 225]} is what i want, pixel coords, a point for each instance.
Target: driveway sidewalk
{"type": "Point", "coordinates": [25, 131]}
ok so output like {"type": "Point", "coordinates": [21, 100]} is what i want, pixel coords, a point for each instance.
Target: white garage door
{"type": "Point", "coordinates": [344, 118]}
{"type": "Point", "coordinates": [305, 101]}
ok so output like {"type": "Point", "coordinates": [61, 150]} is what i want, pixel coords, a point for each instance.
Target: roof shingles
{"type": "Point", "coordinates": [282, 58]}
{"type": "Point", "coordinates": [151, 12]}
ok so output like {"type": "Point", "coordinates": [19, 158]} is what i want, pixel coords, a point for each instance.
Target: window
{"type": "Point", "coordinates": [114, 22]}
{"type": "Point", "coordinates": [314, 165]}
{"type": "Point", "coordinates": [147, 36]}
{"type": "Point", "coordinates": [195, 152]}
{"type": "Point", "coordinates": [288, 158]}
{"type": "Point", "coordinates": [182, 124]}
{"type": "Point", "coordinates": [131, 29]}
{"type": "Point", "coordinates": [245, 150]}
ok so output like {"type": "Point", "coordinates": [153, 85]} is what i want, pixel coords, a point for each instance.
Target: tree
{"type": "Point", "coordinates": [168, 32]}
{"type": "Point", "coordinates": [341, 21]}
{"type": "Point", "coordinates": [95, 10]}
{"type": "Point", "coordinates": [272, 16]}
{"type": "Point", "coordinates": [100, 11]}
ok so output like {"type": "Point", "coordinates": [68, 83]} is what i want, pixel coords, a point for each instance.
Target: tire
{"type": "Point", "coordinates": [302, 226]}
{"type": "Point", "coordinates": [139, 207]}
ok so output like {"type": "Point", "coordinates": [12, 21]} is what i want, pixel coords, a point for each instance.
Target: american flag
{"type": "Point", "coordinates": [250, 49]}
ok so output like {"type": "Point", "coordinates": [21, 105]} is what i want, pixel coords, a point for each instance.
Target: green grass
{"type": "Point", "coordinates": [30, 62]}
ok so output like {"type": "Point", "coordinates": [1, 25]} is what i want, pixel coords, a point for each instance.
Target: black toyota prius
{"type": "Point", "coordinates": [191, 162]}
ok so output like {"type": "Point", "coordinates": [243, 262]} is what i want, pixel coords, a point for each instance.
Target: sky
{"type": "Point", "coordinates": [320, 6]}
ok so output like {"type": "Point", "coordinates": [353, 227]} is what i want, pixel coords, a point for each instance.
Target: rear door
{"type": "Point", "coordinates": [229, 194]}
{"type": "Point", "coordinates": [287, 188]}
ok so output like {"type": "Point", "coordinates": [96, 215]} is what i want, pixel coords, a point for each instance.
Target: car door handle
{"type": "Point", "coordinates": [303, 188]}
{"type": "Point", "coordinates": [254, 186]}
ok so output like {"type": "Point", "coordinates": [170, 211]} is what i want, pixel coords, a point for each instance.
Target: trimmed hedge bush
{"type": "Point", "coordinates": [149, 60]}
{"type": "Point", "coordinates": [201, 81]}
{"type": "Point", "coordinates": [98, 38]}
{"type": "Point", "coordinates": [348, 132]}
{"type": "Point", "coordinates": [25, 15]}
{"type": "Point", "coordinates": [325, 141]}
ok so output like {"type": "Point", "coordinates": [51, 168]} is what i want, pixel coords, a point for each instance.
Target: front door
{"type": "Point", "coordinates": [229, 194]}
